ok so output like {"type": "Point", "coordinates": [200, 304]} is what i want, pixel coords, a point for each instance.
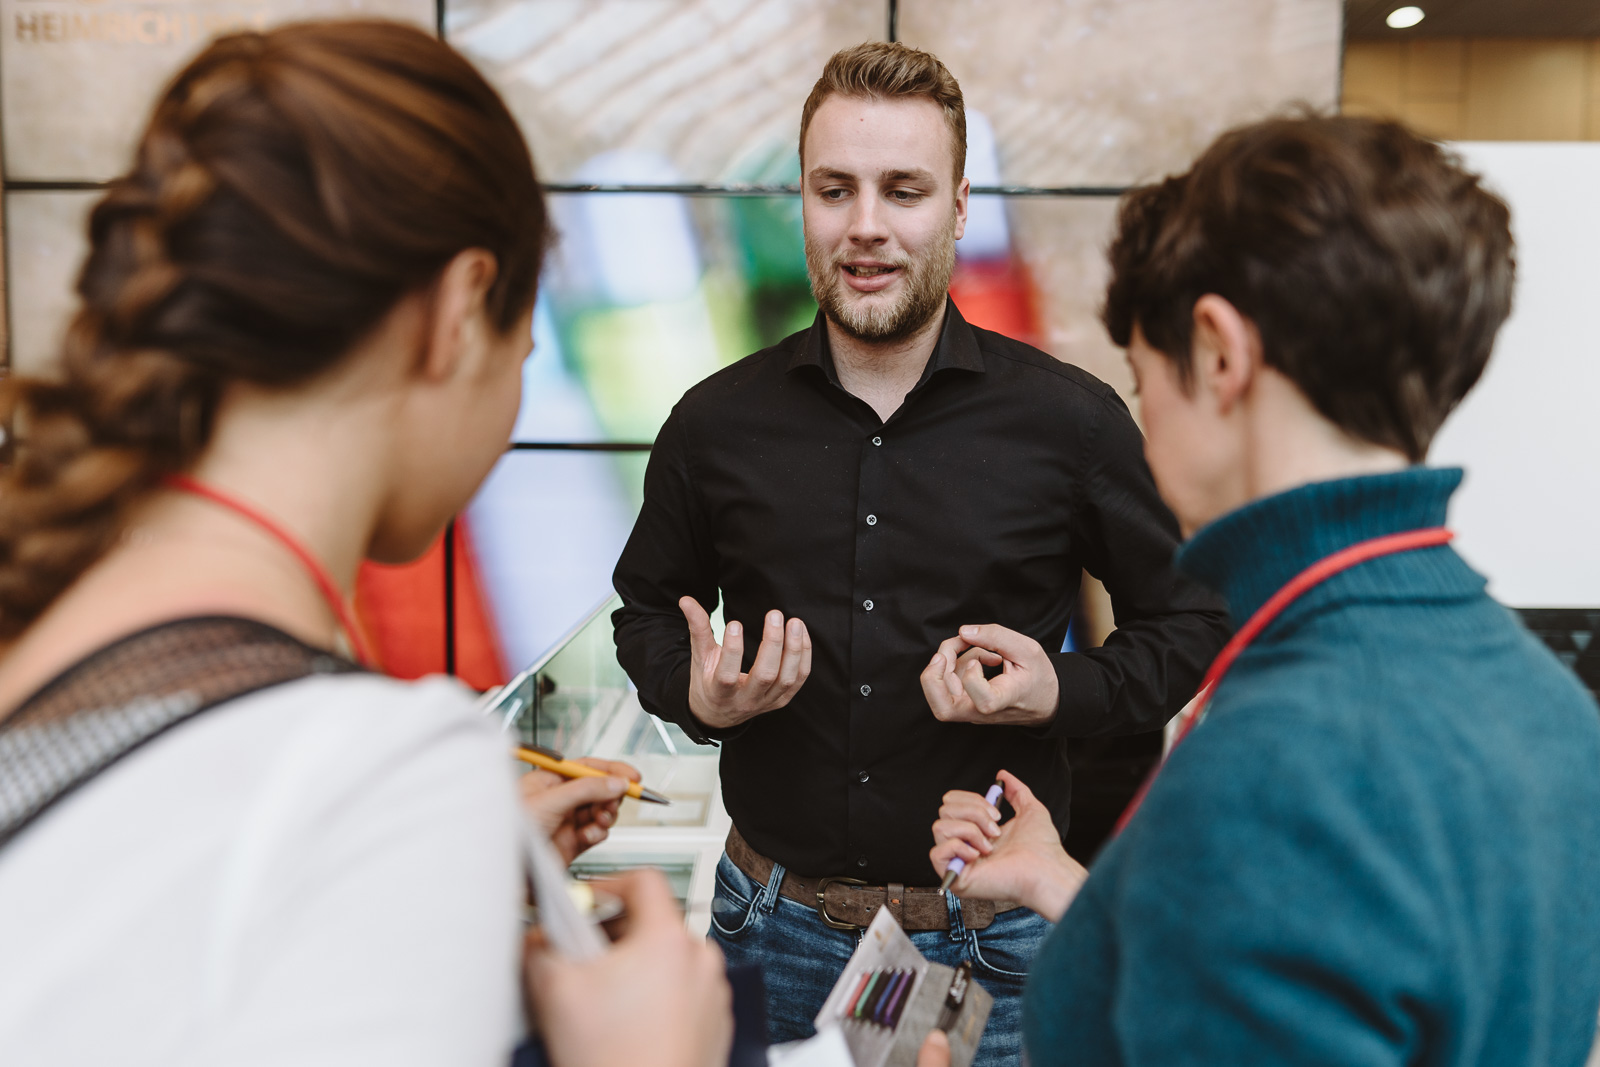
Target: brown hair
{"type": "Point", "coordinates": [290, 188]}
{"type": "Point", "coordinates": [1375, 266]}
{"type": "Point", "coordinates": [886, 69]}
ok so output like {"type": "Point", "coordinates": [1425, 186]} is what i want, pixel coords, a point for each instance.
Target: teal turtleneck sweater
{"type": "Point", "coordinates": [1382, 845]}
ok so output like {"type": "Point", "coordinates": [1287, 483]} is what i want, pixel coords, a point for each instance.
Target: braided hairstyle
{"type": "Point", "coordinates": [291, 188]}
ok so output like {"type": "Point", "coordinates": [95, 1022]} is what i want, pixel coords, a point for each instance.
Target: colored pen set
{"type": "Point", "coordinates": [879, 997]}
{"type": "Point", "coordinates": [890, 995]}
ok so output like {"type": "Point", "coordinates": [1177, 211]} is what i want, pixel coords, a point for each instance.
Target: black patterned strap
{"type": "Point", "coordinates": [132, 691]}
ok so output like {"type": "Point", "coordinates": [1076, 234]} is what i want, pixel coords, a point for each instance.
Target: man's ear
{"type": "Point", "coordinates": [1226, 351]}
{"type": "Point", "coordinates": [459, 296]}
{"type": "Point", "coordinates": [963, 193]}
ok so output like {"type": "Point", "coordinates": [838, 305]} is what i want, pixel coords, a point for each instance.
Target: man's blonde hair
{"type": "Point", "coordinates": [887, 70]}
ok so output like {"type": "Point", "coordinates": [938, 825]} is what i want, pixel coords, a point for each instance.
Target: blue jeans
{"type": "Point", "coordinates": [802, 958]}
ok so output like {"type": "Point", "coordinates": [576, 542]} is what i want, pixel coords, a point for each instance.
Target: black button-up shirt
{"type": "Point", "coordinates": [1003, 476]}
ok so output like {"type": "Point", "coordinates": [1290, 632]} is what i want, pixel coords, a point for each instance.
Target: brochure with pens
{"type": "Point", "coordinates": [890, 998]}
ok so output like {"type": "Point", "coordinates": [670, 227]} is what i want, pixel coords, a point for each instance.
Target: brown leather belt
{"type": "Point", "coordinates": [848, 904]}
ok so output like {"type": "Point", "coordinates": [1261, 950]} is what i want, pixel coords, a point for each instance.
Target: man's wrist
{"type": "Point", "coordinates": [1045, 718]}
{"type": "Point", "coordinates": [1037, 716]}
{"type": "Point", "coordinates": [710, 718]}
{"type": "Point", "coordinates": [1081, 697]}
{"type": "Point", "coordinates": [1053, 698]}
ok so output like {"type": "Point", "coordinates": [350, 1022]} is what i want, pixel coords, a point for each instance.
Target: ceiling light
{"type": "Point", "coordinates": [1403, 18]}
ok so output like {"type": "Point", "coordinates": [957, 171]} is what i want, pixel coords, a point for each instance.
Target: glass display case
{"type": "Point", "coordinates": [576, 699]}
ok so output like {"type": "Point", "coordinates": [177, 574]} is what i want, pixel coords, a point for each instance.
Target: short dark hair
{"type": "Point", "coordinates": [1376, 267]}
{"type": "Point", "coordinates": [891, 70]}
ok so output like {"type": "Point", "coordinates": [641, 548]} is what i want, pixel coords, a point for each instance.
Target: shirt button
{"type": "Point", "coordinates": [863, 777]}
{"type": "Point", "coordinates": [877, 440]}
{"type": "Point", "coordinates": [872, 520]}
{"type": "Point", "coordinates": [866, 690]}
{"type": "Point", "coordinates": [867, 604]}
{"type": "Point", "coordinates": [861, 861]}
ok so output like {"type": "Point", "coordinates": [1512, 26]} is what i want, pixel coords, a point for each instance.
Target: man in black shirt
{"type": "Point", "coordinates": [858, 494]}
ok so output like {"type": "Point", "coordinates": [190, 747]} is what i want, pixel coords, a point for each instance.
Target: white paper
{"type": "Point", "coordinates": [827, 1049]}
{"type": "Point", "coordinates": [569, 932]}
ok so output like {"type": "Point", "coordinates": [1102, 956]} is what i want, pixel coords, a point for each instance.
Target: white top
{"type": "Point", "coordinates": [325, 872]}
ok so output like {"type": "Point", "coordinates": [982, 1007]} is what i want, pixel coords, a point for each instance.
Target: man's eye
{"type": "Point", "coordinates": [906, 196]}
{"type": "Point", "coordinates": [833, 194]}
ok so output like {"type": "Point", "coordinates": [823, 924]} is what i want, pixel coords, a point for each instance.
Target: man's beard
{"type": "Point", "coordinates": [925, 281]}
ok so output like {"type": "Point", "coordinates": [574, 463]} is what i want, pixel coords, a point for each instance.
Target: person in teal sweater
{"type": "Point", "coordinates": [1381, 843]}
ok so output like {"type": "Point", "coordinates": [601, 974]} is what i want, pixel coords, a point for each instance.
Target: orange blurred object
{"type": "Point", "coordinates": [402, 610]}
{"type": "Point", "coordinates": [997, 295]}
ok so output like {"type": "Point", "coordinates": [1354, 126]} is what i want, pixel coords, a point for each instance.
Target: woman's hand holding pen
{"type": "Point", "coordinates": [720, 695]}
{"type": "Point", "coordinates": [1024, 693]}
{"type": "Point", "coordinates": [1022, 860]}
{"type": "Point", "coordinates": [659, 996]}
{"type": "Point", "coordinates": [577, 814]}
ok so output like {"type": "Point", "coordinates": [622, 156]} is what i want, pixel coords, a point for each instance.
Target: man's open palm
{"type": "Point", "coordinates": [720, 695]}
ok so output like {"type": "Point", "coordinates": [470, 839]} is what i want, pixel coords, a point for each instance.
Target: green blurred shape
{"type": "Point", "coordinates": [637, 361]}
{"type": "Point", "coordinates": [727, 301]}
{"type": "Point", "coordinates": [771, 240]}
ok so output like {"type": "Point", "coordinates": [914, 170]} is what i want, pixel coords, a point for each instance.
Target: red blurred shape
{"type": "Point", "coordinates": [402, 610]}
{"type": "Point", "coordinates": [997, 295]}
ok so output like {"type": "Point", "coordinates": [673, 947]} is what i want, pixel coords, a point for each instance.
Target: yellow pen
{"type": "Point", "coordinates": [555, 763]}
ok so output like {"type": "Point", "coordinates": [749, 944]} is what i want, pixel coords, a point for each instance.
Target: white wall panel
{"type": "Point", "coordinates": [1529, 513]}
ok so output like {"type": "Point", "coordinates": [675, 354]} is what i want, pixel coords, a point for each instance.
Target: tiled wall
{"type": "Point", "coordinates": [78, 77]}
{"type": "Point", "coordinates": [77, 80]}
{"type": "Point", "coordinates": [1078, 93]}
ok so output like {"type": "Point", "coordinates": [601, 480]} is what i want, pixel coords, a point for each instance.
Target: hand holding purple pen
{"type": "Point", "coordinates": [1022, 861]}
{"type": "Point", "coordinates": [957, 864]}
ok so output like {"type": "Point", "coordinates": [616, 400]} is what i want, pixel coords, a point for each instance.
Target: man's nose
{"type": "Point", "coordinates": [867, 222]}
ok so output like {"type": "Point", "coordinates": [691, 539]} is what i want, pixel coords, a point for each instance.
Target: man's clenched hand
{"type": "Point", "coordinates": [1025, 693]}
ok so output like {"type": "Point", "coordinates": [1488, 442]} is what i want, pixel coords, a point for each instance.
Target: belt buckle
{"type": "Point", "coordinates": [822, 902]}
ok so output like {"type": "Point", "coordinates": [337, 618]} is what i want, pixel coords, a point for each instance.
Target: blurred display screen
{"type": "Point", "coordinates": [644, 295]}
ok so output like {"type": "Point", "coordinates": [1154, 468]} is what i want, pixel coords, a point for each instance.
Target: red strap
{"type": "Point", "coordinates": [313, 566]}
{"type": "Point", "coordinates": [1312, 576]}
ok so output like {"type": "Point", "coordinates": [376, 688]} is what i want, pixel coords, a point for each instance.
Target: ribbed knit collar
{"type": "Point", "coordinates": [1249, 554]}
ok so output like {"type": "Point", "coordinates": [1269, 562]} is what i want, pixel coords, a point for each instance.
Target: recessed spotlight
{"type": "Point", "coordinates": [1403, 18]}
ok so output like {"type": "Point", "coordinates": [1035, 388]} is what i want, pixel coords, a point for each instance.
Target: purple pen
{"type": "Point", "coordinates": [957, 864]}
{"type": "Point", "coordinates": [889, 1014]}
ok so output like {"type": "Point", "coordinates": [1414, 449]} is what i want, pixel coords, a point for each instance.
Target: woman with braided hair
{"type": "Point", "coordinates": [303, 318]}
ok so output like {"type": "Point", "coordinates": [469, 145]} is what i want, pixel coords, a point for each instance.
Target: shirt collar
{"type": "Point", "coordinates": [1252, 552]}
{"type": "Point", "coordinates": [957, 348]}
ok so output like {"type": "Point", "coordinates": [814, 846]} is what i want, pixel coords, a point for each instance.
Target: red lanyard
{"type": "Point", "coordinates": [1312, 576]}
{"type": "Point", "coordinates": [314, 568]}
